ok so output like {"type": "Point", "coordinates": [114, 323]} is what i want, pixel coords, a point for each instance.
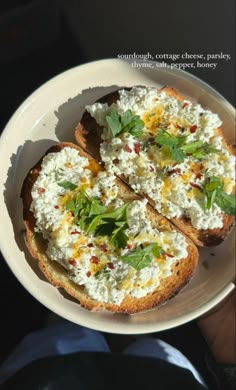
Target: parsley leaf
{"type": "Point", "coordinates": [113, 224]}
{"type": "Point", "coordinates": [94, 218]}
{"type": "Point", "coordinates": [167, 139]}
{"type": "Point", "coordinates": [212, 189]}
{"type": "Point", "coordinates": [227, 203]}
{"type": "Point", "coordinates": [213, 183]}
{"type": "Point", "coordinates": [104, 272]}
{"type": "Point", "coordinates": [113, 121]}
{"type": "Point", "coordinates": [177, 155]}
{"type": "Point", "coordinates": [126, 118]}
{"type": "Point", "coordinates": [203, 151]}
{"type": "Point", "coordinates": [126, 123]}
{"type": "Point", "coordinates": [171, 145]}
{"type": "Point", "coordinates": [96, 207]}
{"type": "Point", "coordinates": [142, 257]}
{"type": "Point", "coordinates": [119, 238]}
{"type": "Point", "coordinates": [191, 147]}
{"type": "Point", "coordinates": [177, 148]}
{"type": "Point", "coordinates": [108, 217]}
{"type": "Point", "coordinates": [104, 228]}
{"type": "Point", "coordinates": [67, 185]}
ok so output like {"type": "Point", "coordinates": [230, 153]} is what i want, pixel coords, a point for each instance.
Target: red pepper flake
{"type": "Point", "coordinates": [185, 105]}
{"type": "Point", "coordinates": [103, 247]}
{"type": "Point", "coordinates": [195, 186]}
{"type": "Point", "coordinates": [198, 176]}
{"type": "Point", "coordinates": [129, 246]}
{"type": "Point", "coordinates": [56, 207]}
{"type": "Point", "coordinates": [137, 147]}
{"type": "Point", "coordinates": [88, 274]}
{"type": "Point", "coordinates": [75, 232]}
{"type": "Point", "coordinates": [169, 255]}
{"type": "Point", "coordinates": [41, 190]}
{"type": "Point", "coordinates": [177, 171]}
{"type": "Point", "coordinates": [90, 245]}
{"type": "Point", "coordinates": [94, 260]}
{"type": "Point", "coordinates": [201, 167]}
{"type": "Point", "coordinates": [110, 265]}
{"type": "Point", "coordinates": [127, 149]}
{"type": "Point", "coordinates": [72, 262]}
{"type": "Point", "coordinates": [151, 169]}
{"type": "Point", "coordinates": [193, 129]}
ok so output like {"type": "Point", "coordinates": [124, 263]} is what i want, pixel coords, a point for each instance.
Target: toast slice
{"type": "Point", "coordinates": [88, 135]}
{"type": "Point", "coordinates": [181, 272]}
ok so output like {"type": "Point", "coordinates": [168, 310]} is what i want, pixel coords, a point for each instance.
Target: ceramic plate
{"type": "Point", "coordinates": [49, 115]}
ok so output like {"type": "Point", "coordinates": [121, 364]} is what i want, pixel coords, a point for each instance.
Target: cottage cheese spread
{"type": "Point", "coordinates": [173, 187]}
{"type": "Point", "coordinates": [91, 261]}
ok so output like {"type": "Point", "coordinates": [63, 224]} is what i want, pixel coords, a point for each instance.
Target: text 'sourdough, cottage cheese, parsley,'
{"type": "Point", "coordinates": [169, 149]}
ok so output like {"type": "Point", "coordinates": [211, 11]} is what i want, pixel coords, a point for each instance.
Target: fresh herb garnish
{"type": "Point", "coordinates": [163, 171]}
{"type": "Point", "coordinates": [192, 147]}
{"type": "Point", "coordinates": [198, 149]}
{"type": "Point", "coordinates": [212, 189]}
{"type": "Point", "coordinates": [171, 145]}
{"type": "Point", "coordinates": [227, 203]}
{"type": "Point", "coordinates": [113, 224]}
{"type": "Point", "coordinates": [126, 123]}
{"type": "Point", "coordinates": [116, 215]}
{"type": "Point", "coordinates": [67, 185]}
{"type": "Point", "coordinates": [119, 238]}
{"type": "Point", "coordinates": [104, 272]}
{"type": "Point", "coordinates": [95, 218]}
{"type": "Point", "coordinates": [142, 257]}
{"type": "Point", "coordinates": [178, 149]}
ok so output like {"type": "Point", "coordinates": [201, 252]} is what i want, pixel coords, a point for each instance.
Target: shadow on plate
{"type": "Point", "coordinates": [70, 112]}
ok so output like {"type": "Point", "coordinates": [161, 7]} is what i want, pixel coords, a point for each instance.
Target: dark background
{"type": "Point", "coordinates": [39, 39]}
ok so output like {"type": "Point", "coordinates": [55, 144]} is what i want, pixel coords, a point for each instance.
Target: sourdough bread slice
{"type": "Point", "coordinates": [182, 270]}
{"type": "Point", "coordinates": [88, 135]}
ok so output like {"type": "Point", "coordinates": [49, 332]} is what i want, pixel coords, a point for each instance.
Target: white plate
{"type": "Point", "coordinates": [50, 114]}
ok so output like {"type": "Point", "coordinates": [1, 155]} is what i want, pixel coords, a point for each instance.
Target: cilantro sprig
{"type": "Point", "coordinates": [142, 257]}
{"type": "Point", "coordinates": [178, 149]}
{"type": "Point", "coordinates": [126, 123]}
{"type": "Point", "coordinates": [213, 191]}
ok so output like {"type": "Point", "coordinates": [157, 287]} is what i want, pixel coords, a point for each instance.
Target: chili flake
{"type": "Point", "coordinates": [94, 260]}
{"type": "Point", "coordinates": [127, 149]}
{"type": "Point", "coordinates": [72, 262]}
{"type": "Point", "coordinates": [193, 129]}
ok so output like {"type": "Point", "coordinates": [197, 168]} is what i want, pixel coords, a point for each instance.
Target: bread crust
{"type": "Point", "coordinates": [88, 136]}
{"type": "Point", "coordinates": [182, 270]}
